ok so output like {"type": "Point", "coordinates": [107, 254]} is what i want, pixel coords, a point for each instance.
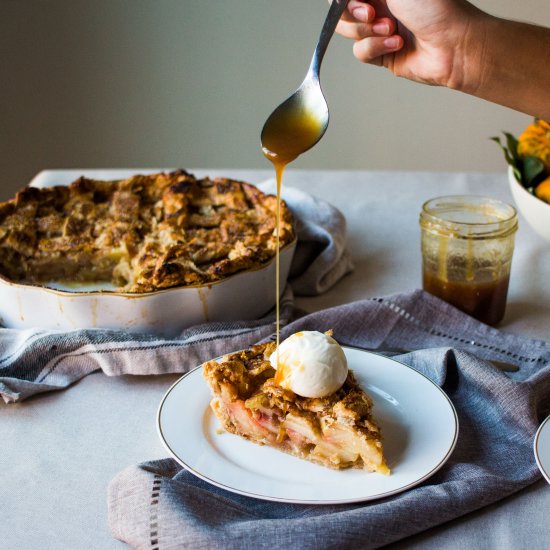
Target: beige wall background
{"type": "Point", "coordinates": [150, 83]}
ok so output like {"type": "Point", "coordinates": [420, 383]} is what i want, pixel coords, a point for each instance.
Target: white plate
{"type": "Point", "coordinates": [542, 448]}
{"type": "Point", "coordinates": [418, 420]}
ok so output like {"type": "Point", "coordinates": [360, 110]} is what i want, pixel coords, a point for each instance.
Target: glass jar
{"type": "Point", "coordinates": [467, 247]}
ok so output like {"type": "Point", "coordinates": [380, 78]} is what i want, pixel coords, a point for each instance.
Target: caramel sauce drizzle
{"type": "Point", "coordinates": [286, 141]}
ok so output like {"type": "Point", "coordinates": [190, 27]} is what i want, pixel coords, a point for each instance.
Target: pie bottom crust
{"type": "Point", "coordinates": [337, 431]}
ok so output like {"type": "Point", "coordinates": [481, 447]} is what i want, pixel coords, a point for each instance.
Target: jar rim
{"type": "Point", "coordinates": [469, 216]}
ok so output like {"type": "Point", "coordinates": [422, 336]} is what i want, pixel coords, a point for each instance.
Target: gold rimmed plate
{"type": "Point", "coordinates": [418, 421]}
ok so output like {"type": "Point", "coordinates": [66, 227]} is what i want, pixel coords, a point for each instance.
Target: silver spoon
{"type": "Point", "coordinates": [300, 121]}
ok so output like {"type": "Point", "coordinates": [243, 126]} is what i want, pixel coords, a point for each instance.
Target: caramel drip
{"type": "Point", "coordinates": [294, 134]}
{"type": "Point", "coordinates": [279, 169]}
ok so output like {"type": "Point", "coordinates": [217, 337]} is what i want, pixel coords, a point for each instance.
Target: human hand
{"type": "Point", "coordinates": [422, 40]}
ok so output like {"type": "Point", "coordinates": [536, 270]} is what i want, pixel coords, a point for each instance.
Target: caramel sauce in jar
{"type": "Point", "coordinates": [486, 301]}
{"type": "Point", "coordinates": [467, 247]}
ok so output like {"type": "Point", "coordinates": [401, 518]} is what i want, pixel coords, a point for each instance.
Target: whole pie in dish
{"type": "Point", "coordinates": [141, 234]}
{"type": "Point", "coordinates": [337, 431]}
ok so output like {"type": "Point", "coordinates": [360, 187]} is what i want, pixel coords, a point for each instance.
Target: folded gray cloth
{"type": "Point", "coordinates": [35, 360]}
{"type": "Point", "coordinates": [159, 505]}
{"type": "Point", "coordinates": [321, 260]}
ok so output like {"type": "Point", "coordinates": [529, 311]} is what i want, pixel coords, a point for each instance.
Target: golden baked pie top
{"type": "Point", "coordinates": [142, 234]}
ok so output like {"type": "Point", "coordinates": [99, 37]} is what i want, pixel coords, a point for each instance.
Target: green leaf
{"type": "Point", "coordinates": [512, 143]}
{"type": "Point", "coordinates": [517, 174]}
{"type": "Point", "coordinates": [507, 155]}
{"type": "Point", "coordinates": [532, 168]}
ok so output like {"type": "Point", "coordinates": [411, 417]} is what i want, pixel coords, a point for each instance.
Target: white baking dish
{"type": "Point", "coordinates": [243, 296]}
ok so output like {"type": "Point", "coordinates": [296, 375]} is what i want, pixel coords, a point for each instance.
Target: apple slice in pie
{"type": "Point", "coordinates": [336, 430]}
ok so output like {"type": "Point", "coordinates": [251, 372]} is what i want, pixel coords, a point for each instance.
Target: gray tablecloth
{"type": "Point", "coordinates": [159, 505]}
{"type": "Point", "coordinates": [65, 447]}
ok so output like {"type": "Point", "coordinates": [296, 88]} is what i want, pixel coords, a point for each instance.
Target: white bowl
{"type": "Point", "coordinates": [533, 209]}
{"type": "Point", "coordinates": [243, 296]}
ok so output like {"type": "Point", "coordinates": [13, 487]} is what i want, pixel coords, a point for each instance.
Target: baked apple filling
{"type": "Point", "coordinates": [337, 431]}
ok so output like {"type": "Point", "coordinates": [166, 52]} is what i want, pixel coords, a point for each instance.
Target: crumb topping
{"type": "Point", "coordinates": [143, 233]}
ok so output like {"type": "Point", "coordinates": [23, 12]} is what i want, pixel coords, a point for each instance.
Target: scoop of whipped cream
{"type": "Point", "coordinates": [311, 364]}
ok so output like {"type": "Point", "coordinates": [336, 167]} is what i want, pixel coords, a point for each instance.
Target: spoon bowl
{"type": "Point", "coordinates": [298, 123]}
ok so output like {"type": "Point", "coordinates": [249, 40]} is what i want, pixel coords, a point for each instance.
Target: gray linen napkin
{"type": "Point", "coordinates": [159, 505]}
{"type": "Point", "coordinates": [35, 360]}
{"type": "Point", "coordinates": [321, 228]}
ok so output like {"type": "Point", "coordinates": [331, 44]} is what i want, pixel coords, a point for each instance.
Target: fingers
{"type": "Point", "coordinates": [357, 31]}
{"type": "Point", "coordinates": [374, 37]}
{"type": "Point", "coordinates": [372, 49]}
{"type": "Point", "coordinates": [359, 11]}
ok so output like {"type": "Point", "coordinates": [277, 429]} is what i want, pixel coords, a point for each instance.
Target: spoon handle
{"type": "Point", "coordinates": [335, 11]}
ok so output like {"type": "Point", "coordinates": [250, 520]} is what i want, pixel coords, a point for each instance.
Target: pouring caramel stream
{"type": "Point", "coordinates": [293, 134]}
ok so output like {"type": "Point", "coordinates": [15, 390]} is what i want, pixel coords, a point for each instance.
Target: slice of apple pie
{"type": "Point", "coordinates": [336, 430]}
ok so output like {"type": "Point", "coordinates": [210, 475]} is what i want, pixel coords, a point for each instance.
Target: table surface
{"type": "Point", "coordinates": [60, 450]}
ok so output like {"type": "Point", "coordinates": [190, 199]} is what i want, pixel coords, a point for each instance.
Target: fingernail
{"type": "Point", "coordinates": [381, 28]}
{"type": "Point", "coordinates": [361, 13]}
{"type": "Point", "coordinates": [391, 42]}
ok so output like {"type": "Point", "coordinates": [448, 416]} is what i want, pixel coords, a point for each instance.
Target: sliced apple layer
{"type": "Point", "coordinates": [337, 431]}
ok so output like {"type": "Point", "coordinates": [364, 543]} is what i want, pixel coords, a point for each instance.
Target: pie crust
{"type": "Point", "coordinates": [141, 234]}
{"type": "Point", "coordinates": [337, 431]}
